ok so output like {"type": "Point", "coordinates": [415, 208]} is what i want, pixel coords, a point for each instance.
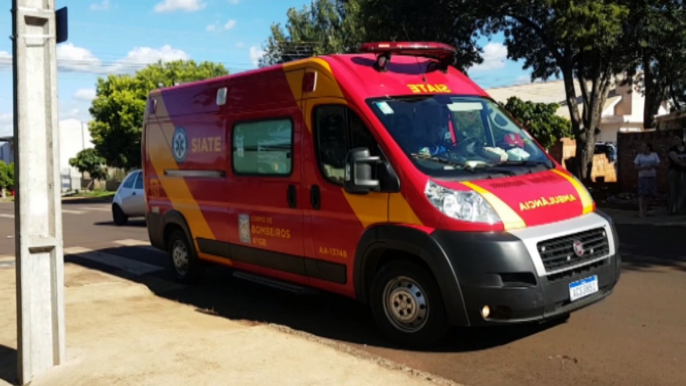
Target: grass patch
{"type": "Point", "coordinates": [91, 194]}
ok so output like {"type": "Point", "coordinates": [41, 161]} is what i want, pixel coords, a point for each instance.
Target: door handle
{"type": "Point", "coordinates": [291, 196]}
{"type": "Point", "coordinates": [315, 197]}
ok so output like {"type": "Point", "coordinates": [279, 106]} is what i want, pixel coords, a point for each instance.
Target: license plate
{"type": "Point", "coordinates": [582, 288]}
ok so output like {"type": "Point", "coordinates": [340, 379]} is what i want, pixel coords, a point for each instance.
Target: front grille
{"type": "Point", "coordinates": [558, 253]}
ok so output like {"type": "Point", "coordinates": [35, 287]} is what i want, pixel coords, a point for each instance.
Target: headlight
{"type": "Point", "coordinates": [464, 206]}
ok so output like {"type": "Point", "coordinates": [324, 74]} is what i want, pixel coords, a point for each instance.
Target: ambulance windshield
{"type": "Point", "coordinates": [445, 135]}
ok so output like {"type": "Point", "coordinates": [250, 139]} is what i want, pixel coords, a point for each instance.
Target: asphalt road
{"type": "Point", "coordinates": [635, 337]}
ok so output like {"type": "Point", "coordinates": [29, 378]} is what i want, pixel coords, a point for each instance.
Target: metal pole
{"type": "Point", "coordinates": [38, 214]}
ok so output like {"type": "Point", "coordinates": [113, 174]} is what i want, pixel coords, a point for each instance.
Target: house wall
{"type": "Point", "coordinates": [564, 152]}
{"type": "Point", "coordinates": [608, 132]}
{"type": "Point", "coordinates": [6, 152]}
{"type": "Point", "coordinates": [74, 137]}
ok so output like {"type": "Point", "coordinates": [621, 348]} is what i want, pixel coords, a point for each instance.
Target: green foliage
{"type": "Point", "coordinates": [89, 161]}
{"type": "Point", "coordinates": [324, 27]}
{"type": "Point", "coordinates": [540, 120]}
{"type": "Point", "coordinates": [447, 21]}
{"type": "Point", "coordinates": [657, 36]}
{"type": "Point", "coordinates": [6, 175]}
{"type": "Point", "coordinates": [120, 104]}
{"type": "Point", "coordinates": [583, 41]}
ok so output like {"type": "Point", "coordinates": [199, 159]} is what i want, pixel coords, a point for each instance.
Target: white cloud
{"type": "Point", "coordinates": [211, 28]}
{"type": "Point", "coordinates": [5, 59]}
{"type": "Point", "coordinates": [85, 94]}
{"type": "Point", "coordinates": [140, 57]}
{"type": "Point", "coordinates": [255, 55]}
{"type": "Point", "coordinates": [180, 5]}
{"type": "Point", "coordinates": [240, 45]}
{"type": "Point", "coordinates": [495, 55]}
{"type": "Point", "coordinates": [104, 5]}
{"type": "Point", "coordinates": [230, 24]}
{"type": "Point", "coordinates": [72, 58]}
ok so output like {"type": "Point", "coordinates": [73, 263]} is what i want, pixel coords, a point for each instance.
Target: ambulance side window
{"type": "Point", "coordinates": [330, 140]}
{"type": "Point", "coordinates": [263, 148]}
{"type": "Point", "coordinates": [338, 130]}
{"type": "Point", "coordinates": [360, 135]}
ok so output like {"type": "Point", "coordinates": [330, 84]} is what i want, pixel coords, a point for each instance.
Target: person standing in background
{"type": "Point", "coordinates": [646, 161]}
{"type": "Point", "coordinates": [677, 175]}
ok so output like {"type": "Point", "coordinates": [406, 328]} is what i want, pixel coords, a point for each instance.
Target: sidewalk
{"type": "Point", "coordinates": [118, 332]}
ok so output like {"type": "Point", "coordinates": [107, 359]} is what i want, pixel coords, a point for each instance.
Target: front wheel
{"type": "Point", "coordinates": [407, 305]}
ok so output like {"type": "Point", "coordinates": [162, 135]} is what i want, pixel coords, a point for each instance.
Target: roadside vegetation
{"type": "Point", "coordinates": [587, 42]}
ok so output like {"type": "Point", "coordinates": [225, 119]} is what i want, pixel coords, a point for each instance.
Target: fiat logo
{"type": "Point", "coordinates": [578, 248]}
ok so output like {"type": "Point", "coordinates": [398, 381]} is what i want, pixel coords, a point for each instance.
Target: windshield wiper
{"type": "Point", "coordinates": [521, 163]}
{"type": "Point", "coordinates": [438, 159]}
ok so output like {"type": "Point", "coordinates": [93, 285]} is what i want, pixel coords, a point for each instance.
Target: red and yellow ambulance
{"type": "Point", "coordinates": [387, 176]}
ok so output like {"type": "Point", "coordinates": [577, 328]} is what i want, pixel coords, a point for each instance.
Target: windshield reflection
{"type": "Point", "coordinates": [448, 135]}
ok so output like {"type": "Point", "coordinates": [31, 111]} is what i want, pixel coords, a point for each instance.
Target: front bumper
{"type": "Point", "coordinates": [506, 272]}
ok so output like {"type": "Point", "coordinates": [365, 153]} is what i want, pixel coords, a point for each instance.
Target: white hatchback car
{"type": "Point", "coordinates": [129, 201]}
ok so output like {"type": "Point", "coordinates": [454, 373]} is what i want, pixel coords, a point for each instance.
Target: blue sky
{"type": "Point", "coordinates": [120, 36]}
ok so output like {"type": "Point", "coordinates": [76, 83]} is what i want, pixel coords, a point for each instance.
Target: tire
{"type": "Point", "coordinates": [407, 305]}
{"type": "Point", "coordinates": [118, 216]}
{"type": "Point", "coordinates": [185, 265]}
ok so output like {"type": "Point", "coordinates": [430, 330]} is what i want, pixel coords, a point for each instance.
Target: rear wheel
{"type": "Point", "coordinates": [407, 305]}
{"type": "Point", "coordinates": [118, 216]}
{"type": "Point", "coordinates": [186, 266]}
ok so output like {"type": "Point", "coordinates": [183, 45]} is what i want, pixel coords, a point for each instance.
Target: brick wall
{"type": "Point", "coordinates": [627, 148]}
{"type": "Point", "coordinates": [564, 152]}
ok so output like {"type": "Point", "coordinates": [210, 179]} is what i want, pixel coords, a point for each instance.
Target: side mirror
{"type": "Point", "coordinates": [359, 167]}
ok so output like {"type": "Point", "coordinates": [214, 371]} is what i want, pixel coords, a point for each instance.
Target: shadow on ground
{"type": "Point", "coordinates": [339, 318]}
{"type": "Point", "coordinates": [321, 314]}
{"type": "Point", "coordinates": [8, 365]}
{"type": "Point", "coordinates": [139, 223]}
{"type": "Point", "coordinates": [645, 247]}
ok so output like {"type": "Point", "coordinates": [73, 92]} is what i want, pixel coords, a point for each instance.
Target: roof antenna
{"type": "Point", "coordinates": [415, 58]}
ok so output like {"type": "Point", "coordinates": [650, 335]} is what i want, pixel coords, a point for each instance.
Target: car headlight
{"type": "Point", "coordinates": [465, 206]}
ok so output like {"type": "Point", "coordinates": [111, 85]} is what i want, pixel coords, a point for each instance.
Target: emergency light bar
{"type": "Point", "coordinates": [444, 53]}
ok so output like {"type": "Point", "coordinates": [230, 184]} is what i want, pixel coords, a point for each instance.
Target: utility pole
{"type": "Point", "coordinates": [38, 214]}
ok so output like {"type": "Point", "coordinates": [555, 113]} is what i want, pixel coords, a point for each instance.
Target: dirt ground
{"type": "Point", "coordinates": [119, 333]}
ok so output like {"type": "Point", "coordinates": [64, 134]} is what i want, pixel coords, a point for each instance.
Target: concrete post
{"type": "Point", "coordinates": [40, 262]}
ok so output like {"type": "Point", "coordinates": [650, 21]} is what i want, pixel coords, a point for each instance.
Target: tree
{"type": "Point", "coordinates": [340, 26]}
{"type": "Point", "coordinates": [120, 103]}
{"type": "Point", "coordinates": [446, 21]}
{"type": "Point", "coordinates": [657, 34]}
{"type": "Point", "coordinates": [580, 40]}
{"type": "Point", "coordinates": [325, 27]}
{"type": "Point", "coordinates": [6, 176]}
{"type": "Point", "coordinates": [89, 161]}
{"type": "Point", "coordinates": [540, 120]}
